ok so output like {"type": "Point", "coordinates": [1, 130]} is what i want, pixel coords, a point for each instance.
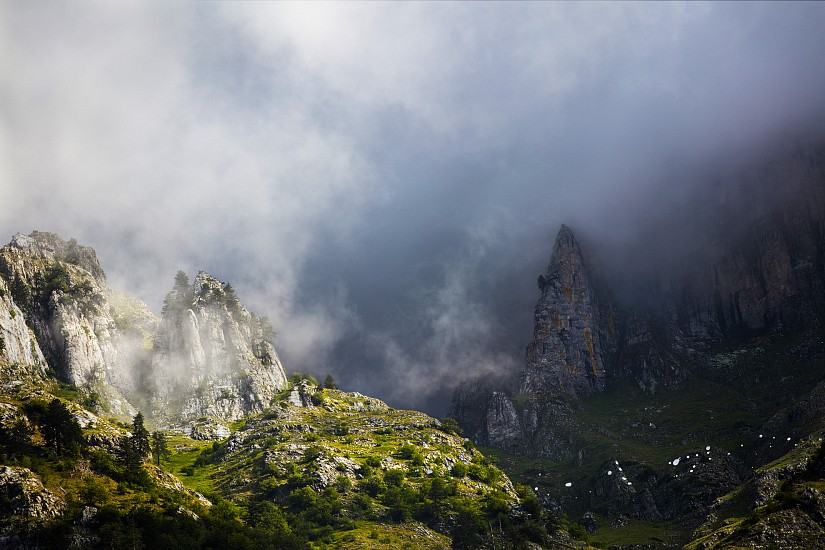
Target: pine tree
{"type": "Point", "coordinates": [329, 383]}
{"type": "Point", "coordinates": [181, 281]}
{"type": "Point", "coordinates": [160, 449]}
{"type": "Point", "coordinates": [181, 297]}
{"type": "Point", "coordinates": [232, 301]}
{"type": "Point", "coordinates": [61, 430]}
{"type": "Point", "coordinates": [131, 460]}
{"type": "Point", "coordinates": [140, 437]}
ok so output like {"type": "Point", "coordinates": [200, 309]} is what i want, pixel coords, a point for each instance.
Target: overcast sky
{"type": "Point", "coordinates": [383, 180]}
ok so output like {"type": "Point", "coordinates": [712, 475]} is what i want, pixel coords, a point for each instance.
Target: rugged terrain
{"type": "Point", "coordinates": [230, 453]}
{"type": "Point", "coordinates": [637, 409]}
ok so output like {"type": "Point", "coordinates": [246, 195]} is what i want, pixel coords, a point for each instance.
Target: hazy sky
{"type": "Point", "coordinates": [384, 180]}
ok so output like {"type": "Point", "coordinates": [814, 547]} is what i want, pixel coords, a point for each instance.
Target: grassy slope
{"type": "Point", "coordinates": [347, 427]}
{"type": "Point", "coordinates": [636, 428]}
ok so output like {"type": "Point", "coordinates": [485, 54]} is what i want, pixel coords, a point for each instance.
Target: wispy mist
{"type": "Point", "coordinates": [383, 181]}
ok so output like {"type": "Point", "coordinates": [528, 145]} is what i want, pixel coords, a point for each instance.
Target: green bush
{"type": "Point", "coordinates": [393, 478]}
{"type": "Point", "coordinates": [411, 453]}
{"type": "Point", "coordinates": [372, 461]}
{"type": "Point", "coordinates": [450, 425]}
{"type": "Point", "coordinates": [372, 486]}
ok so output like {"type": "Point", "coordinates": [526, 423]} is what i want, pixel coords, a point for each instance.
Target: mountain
{"type": "Point", "coordinates": [230, 453]}
{"type": "Point", "coordinates": [211, 356]}
{"type": "Point", "coordinates": [207, 356]}
{"type": "Point", "coordinates": [692, 358]}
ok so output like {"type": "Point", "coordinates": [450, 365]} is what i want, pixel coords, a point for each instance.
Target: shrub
{"type": "Point", "coordinates": [93, 492]}
{"type": "Point", "coordinates": [372, 486]}
{"type": "Point", "coordinates": [394, 478]}
{"type": "Point", "coordinates": [311, 454]}
{"type": "Point", "coordinates": [329, 383]}
{"type": "Point", "coordinates": [450, 425]}
{"type": "Point", "coordinates": [343, 484]}
{"type": "Point", "coordinates": [372, 461]}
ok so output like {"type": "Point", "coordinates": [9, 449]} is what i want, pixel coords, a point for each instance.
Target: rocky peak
{"type": "Point", "coordinates": [61, 291]}
{"type": "Point", "coordinates": [567, 352]}
{"type": "Point", "coordinates": [49, 246]}
{"type": "Point", "coordinates": [211, 354]}
{"type": "Point", "coordinates": [208, 356]}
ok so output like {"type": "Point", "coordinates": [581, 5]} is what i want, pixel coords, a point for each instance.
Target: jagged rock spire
{"type": "Point", "coordinates": [566, 352]}
{"type": "Point", "coordinates": [213, 354]}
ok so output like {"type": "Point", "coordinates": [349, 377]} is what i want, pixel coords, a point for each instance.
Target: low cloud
{"type": "Point", "coordinates": [383, 181]}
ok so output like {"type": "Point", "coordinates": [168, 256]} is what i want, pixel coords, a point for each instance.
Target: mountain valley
{"type": "Point", "coordinates": [685, 412]}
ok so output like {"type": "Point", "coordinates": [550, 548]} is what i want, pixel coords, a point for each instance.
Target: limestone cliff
{"type": "Point", "coordinates": [18, 344]}
{"type": "Point", "coordinates": [207, 356]}
{"type": "Point", "coordinates": [212, 357]}
{"type": "Point", "coordinates": [487, 413]}
{"type": "Point", "coordinates": [61, 290]}
{"type": "Point", "coordinates": [574, 340]}
{"type": "Point", "coordinates": [763, 266]}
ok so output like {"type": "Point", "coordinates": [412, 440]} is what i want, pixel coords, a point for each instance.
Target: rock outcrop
{"type": "Point", "coordinates": [486, 412]}
{"type": "Point", "coordinates": [574, 340]}
{"type": "Point", "coordinates": [18, 344]}
{"type": "Point", "coordinates": [207, 356]}
{"type": "Point", "coordinates": [62, 292]}
{"type": "Point", "coordinates": [23, 495]}
{"type": "Point", "coordinates": [212, 357]}
{"type": "Point", "coordinates": [502, 422]}
{"type": "Point", "coordinates": [570, 345]}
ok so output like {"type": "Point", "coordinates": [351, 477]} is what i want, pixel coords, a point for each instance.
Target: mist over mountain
{"type": "Point", "coordinates": [385, 182]}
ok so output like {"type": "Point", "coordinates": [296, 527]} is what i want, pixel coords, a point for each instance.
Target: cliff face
{"type": "Point", "coordinates": [765, 255]}
{"type": "Point", "coordinates": [756, 266]}
{"type": "Point", "coordinates": [569, 346]}
{"type": "Point", "coordinates": [207, 356]}
{"type": "Point", "coordinates": [574, 339]}
{"type": "Point", "coordinates": [213, 356]}
{"type": "Point", "coordinates": [17, 341]}
{"type": "Point", "coordinates": [61, 291]}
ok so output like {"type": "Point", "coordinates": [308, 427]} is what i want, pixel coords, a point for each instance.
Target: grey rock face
{"type": "Point", "coordinates": [612, 493]}
{"type": "Point", "coordinates": [473, 407]}
{"type": "Point", "coordinates": [574, 337]}
{"type": "Point", "coordinates": [25, 496]}
{"type": "Point", "coordinates": [17, 342]}
{"type": "Point", "coordinates": [207, 356]}
{"type": "Point", "coordinates": [60, 288]}
{"type": "Point", "coordinates": [212, 357]}
{"type": "Point", "coordinates": [567, 354]}
{"type": "Point", "coordinates": [651, 357]}
{"type": "Point", "coordinates": [761, 263]}
{"type": "Point", "coordinates": [502, 423]}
